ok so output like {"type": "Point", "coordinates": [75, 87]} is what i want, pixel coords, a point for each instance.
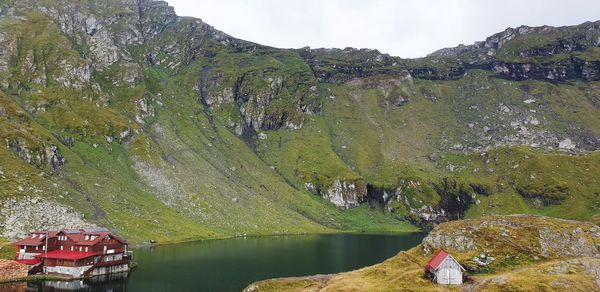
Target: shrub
{"type": "Point", "coordinates": [549, 194]}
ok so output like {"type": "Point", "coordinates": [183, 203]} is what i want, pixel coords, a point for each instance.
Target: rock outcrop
{"type": "Point", "coordinates": [345, 194]}
{"type": "Point", "coordinates": [555, 54]}
{"type": "Point", "coordinates": [21, 215]}
{"type": "Point", "coordinates": [47, 156]}
{"type": "Point", "coordinates": [520, 235]}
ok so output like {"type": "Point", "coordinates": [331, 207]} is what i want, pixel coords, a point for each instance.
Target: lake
{"type": "Point", "coordinates": [232, 264]}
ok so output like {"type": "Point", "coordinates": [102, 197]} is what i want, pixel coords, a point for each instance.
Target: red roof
{"type": "Point", "coordinates": [98, 237]}
{"type": "Point", "coordinates": [67, 255]}
{"type": "Point", "coordinates": [437, 259]}
{"type": "Point", "coordinates": [79, 236]}
{"type": "Point", "coordinates": [31, 241]}
{"type": "Point", "coordinates": [51, 233]}
{"type": "Point", "coordinates": [33, 261]}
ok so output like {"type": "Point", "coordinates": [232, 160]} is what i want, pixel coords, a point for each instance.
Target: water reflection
{"type": "Point", "coordinates": [113, 282]}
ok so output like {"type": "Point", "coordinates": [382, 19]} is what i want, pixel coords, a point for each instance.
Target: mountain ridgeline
{"type": "Point", "coordinates": [123, 114]}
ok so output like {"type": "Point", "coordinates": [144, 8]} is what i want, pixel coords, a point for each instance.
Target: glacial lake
{"type": "Point", "coordinates": [232, 264]}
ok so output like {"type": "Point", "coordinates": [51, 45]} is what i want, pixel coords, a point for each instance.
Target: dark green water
{"type": "Point", "coordinates": [232, 264]}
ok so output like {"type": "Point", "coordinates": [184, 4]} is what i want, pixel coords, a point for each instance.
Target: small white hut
{"type": "Point", "coordinates": [445, 269]}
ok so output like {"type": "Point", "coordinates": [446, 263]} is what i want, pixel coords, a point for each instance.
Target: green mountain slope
{"type": "Point", "coordinates": [161, 127]}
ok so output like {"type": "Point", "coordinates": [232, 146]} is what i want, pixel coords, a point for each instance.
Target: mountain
{"type": "Point", "coordinates": [125, 115]}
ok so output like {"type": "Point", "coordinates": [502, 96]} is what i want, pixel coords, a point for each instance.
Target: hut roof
{"type": "Point", "coordinates": [438, 258]}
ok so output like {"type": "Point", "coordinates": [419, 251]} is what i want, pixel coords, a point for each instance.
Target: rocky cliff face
{"type": "Point", "coordinates": [47, 156]}
{"type": "Point", "coordinates": [266, 98]}
{"type": "Point", "coordinates": [523, 53]}
{"type": "Point", "coordinates": [339, 66]}
{"type": "Point", "coordinates": [544, 53]}
{"type": "Point", "coordinates": [542, 240]}
{"type": "Point", "coordinates": [345, 195]}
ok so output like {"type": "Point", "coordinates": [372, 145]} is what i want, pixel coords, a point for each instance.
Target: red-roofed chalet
{"type": "Point", "coordinates": [74, 252]}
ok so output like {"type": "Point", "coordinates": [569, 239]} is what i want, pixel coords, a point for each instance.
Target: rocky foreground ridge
{"type": "Point", "coordinates": [501, 253]}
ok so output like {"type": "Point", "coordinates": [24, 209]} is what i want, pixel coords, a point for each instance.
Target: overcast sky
{"type": "Point", "coordinates": [409, 28]}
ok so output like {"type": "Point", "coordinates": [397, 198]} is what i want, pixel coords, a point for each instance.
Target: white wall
{"type": "Point", "coordinates": [73, 271]}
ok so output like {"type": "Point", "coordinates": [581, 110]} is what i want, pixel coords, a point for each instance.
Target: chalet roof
{"type": "Point", "coordinates": [72, 234]}
{"type": "Point", "coordinates": [97, 238]}
{"type": "Point", "coordinates": [67, 255]}
{"type": "Point", "coordinates": [36, 238]}
{"type": "Point", "coordinates": [438, 258]}
{"type": "Point", "coordinates": [51, 233]}
{"type": "Point", "coordinates": [29, 241]}
{"type": "Point", "coordinates": [78, 236]}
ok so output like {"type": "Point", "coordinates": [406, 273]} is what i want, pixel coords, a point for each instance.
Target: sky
{"type": "Point", "coordinates": [409, 28]}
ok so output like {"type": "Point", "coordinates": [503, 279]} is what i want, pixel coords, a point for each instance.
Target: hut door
{"type": "Point", "coordinates": [444, 276]}
{"type": "Point", "coordinates": [455, 276]}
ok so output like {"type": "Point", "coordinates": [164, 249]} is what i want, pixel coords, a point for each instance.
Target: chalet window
{"type": "Point", "coordinates": [61, 247]}
{"type": "Point", "coordinates": [86, 248]}
{"type": "Point", "coordinates": [43, 247]}
{"type": "Point", "coordinates": [72, 248]}
{"type": "Point", "coordinates": [36, 248]}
